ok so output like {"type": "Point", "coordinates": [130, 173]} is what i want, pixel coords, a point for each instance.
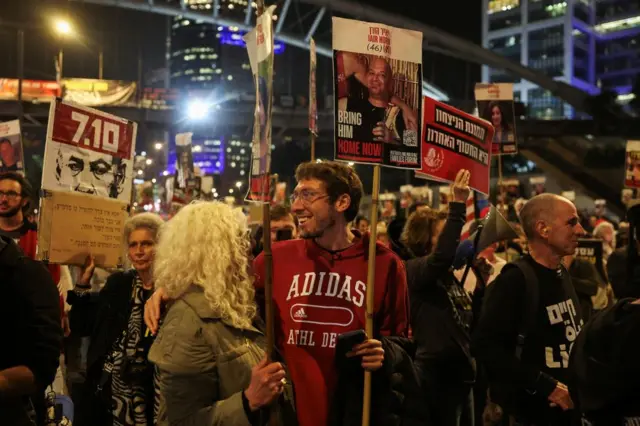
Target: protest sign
{"type": "Point", "coordinates": [260, 49]}
{"type": "Point", "coordinates": [184, 159]}
{"type": "Point", "coordinates": [495, 104]}
{"type": "Point", "coordinates": [632, 165]}
{"type": "Point", "coordinates": [538, 185]}
{"type": "Point", "coordinates": [73, 225]}
{"type": "Point", "coordinates": [455, 140]}
{"type": "Point", "coordinates": [591, 250]}
{"type": "Point", "coordinates": [88, 151]}
{"type": "Point", "coordinates": [11, 147]}
{"type": "Point", "coordinates": [378, 88]}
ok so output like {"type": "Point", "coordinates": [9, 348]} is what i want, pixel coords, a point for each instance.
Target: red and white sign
{"type": "Point", "coordinates": [89, 151]}
{"type": "Point", "coordinates": [454, 140]}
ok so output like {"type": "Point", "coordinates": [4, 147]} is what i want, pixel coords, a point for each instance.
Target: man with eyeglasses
{"type": "Point", "coordinates": [319, 288]}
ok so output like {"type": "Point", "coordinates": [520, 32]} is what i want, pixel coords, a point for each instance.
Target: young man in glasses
{"type": "Point", "coordinates": [319, 288]}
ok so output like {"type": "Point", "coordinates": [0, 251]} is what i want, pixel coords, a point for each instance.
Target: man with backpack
{"type": "Point", "coordinates": [531, 317]}
{"type": "Point", "coordinates": [32, 335]}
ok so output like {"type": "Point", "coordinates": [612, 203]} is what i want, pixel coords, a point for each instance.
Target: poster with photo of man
{"type": "Point", "coordinates": [632, 165]}
{"type": "Point", "coordinates": [378, 94]}
{"type": "Point", "coordinates": [495, 104]}
{"type": "Point", "coordinates": [11, 147]}
{"type": "Point", "coordinates": [89, 151]}
{"type": "Point", "coordinates": [259, 43]}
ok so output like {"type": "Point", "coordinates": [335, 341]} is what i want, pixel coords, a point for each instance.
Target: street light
{"type": "Point", "coordinates": [197, 110]}
{"type": "Point", "coordinates": [238, 184]}
{"type": "Point", "coordinates": [149, 161]}
{"type": "Point", "coordinates": [158, 146]}
{"type": "Point", "coordinates": [63, 27]}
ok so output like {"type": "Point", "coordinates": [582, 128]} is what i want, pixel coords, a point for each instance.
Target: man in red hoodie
{"type": "Point", "coordinates": [319, 287]}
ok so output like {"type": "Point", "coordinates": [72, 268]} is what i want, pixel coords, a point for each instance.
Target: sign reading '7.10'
{"type": "Point", "coordinates": [92, 129]}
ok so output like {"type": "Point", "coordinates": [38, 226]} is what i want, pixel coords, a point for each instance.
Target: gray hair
{"type": "Point", "coordinates": [149, 221]}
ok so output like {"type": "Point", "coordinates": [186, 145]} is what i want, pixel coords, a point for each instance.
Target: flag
{"type": "Point", "coordinates": [470, 216]}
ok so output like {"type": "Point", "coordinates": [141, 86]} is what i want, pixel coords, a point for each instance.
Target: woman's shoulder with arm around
{"type": "Point", "coordinates": [188, 374]}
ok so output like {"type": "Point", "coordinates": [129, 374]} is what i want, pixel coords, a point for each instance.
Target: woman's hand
{"type": "Point", "coordinates": [88, 268]}
{"type": "Point", "coordinates": [153, 309]}
{"type": "Point", "coordinates": [267, 383]}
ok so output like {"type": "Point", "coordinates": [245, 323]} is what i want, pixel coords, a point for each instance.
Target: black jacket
{"type": "Point", "coordinates": [30, 315]}
{"type": "Point", "coordinates": [442, 342]}
{"type": "Point", "coordinates": [396, 396]}
{"type": "Point", "coordinates": [604, 365]}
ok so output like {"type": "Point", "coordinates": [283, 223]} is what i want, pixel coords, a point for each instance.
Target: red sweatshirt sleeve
{"type": "Point", "coordinates": [395, 308]}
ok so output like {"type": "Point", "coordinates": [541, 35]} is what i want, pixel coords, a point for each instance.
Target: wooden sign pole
{"type": "Point", "coordinates": [371, 278]}
{"type": "Point", "coordinates": [313, 146]}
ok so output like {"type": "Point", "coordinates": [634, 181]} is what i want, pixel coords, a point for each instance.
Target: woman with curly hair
{"type": "Point", "coordinates": [209, 352]}
{"type": "Point", "coordinates": [494, 112]}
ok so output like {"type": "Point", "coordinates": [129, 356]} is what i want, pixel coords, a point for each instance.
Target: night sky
{"type": "Point", "coordinates": [126, 35]}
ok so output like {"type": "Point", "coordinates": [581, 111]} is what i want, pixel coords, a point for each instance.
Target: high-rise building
{"type": "Point", "coordinates": [591, 44]}
{"type": "Point", "coordinates": [209, 63]}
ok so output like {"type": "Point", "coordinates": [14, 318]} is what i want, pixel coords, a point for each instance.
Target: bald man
{"type": "Point", "coordinates": [380, 120]}
{"type": "Point", "coordinates": [532, 385]}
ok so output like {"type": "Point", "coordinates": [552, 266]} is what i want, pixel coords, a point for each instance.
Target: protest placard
{"type": "Point", "coordinates": [378, 86]}
{"type": "Point", "coordinates": [259, 43]}
{"type": "Point", "coordinates": [74, 225]}
{"type": "Point", "coordinates": [495, 104]}
{"type": "Point", "coordinates": [591, 250]}
{"type": "Point", "coordinates": [632, 165]}
{"type": "Point", "coordinates": [88, 151]}
{"type": "Point", "coordinates": [11, 154]}
{"type": "Point", "coordinates": [455, 140]}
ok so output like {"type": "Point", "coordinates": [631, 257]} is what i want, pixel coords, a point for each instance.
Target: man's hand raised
{"type": "Point", "coordinates": [460, 188]}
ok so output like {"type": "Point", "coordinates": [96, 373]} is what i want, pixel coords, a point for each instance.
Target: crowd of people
{"type": "Point", "coordinates": [530, 335]}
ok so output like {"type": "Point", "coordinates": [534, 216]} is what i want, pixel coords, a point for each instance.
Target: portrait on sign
{"type": "Point", "coordinates": [10, 147]}
{"type": "Point", "coordinates": [88, 151]}
{"type": "Point", "coordinates": [378, 86]}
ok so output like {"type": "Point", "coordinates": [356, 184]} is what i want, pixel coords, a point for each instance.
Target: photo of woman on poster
{"type": "Point", "coordinates": [499, 114]}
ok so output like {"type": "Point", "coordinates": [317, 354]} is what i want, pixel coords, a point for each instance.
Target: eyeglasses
{"type": "Point", "coordinates": [11, 195]}
{"type": "Point", "coordinates": [306, 196]}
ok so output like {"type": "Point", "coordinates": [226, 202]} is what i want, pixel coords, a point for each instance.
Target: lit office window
{"type": "Point", "coordinates": [546, 9]}
{"type": "Point", "coordinates": [543, 105]}
{"type": "Point", "coordinates": [502, 5]}
{"type": "Point", "coordinates": [546, 50]}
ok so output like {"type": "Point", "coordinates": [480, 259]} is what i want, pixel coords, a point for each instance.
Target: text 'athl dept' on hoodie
{"type": "Point", "coordinates": [318, 295]}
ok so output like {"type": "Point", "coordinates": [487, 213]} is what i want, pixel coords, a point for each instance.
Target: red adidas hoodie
{"type": "Point", "coordinates": [318, 295]}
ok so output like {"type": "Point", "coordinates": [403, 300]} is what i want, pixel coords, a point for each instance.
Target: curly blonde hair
{"type": "Point", "coordinates": [206, 244]}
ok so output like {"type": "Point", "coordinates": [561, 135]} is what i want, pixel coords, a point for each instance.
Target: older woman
{"type": "Point", "coordinates": [119, 378]}
{"type": "Point", "coordinates": [211, 366]}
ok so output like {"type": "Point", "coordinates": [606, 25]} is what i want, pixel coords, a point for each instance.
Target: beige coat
{"type": "Point", "coordinates": [203, 365]}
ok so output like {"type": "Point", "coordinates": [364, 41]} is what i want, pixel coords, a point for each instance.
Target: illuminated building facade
{"type": "Point", "coordinates": [210, 62]}
{"type": "Point", "coordinates": [591, 44]}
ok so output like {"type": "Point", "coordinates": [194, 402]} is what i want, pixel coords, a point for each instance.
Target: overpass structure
{"type": "Point", "coordinates": [296, 29]}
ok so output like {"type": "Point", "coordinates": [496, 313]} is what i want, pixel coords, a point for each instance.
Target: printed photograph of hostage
{"type": "Point", "coordinates": [10, 154]}
{"type": "Point", "coordinates": [500, 115]}
{"type": "Point", "coordinates": [385, 93]}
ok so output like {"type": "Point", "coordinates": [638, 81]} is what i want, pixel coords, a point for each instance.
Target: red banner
{"type": "Point", "coordinates": [92, 129]}
{"type": "Point", "coordinates": [454, 140]}
{"type": "Point", "coordinates": [32, 90]}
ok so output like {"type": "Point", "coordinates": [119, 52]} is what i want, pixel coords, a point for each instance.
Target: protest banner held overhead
{"type": "Point", "coordinates": [495, 104]}
{"type": "Point", "coordinates": [454, 140]}
{"type": "Point", "coordinates": [378, 94]}
{"type": "Point", "coordinates": [88, 151]}
{"type": "Point", "coordinates": [184, 159]}
{"type": "Point", "coordinates": [11, 153]}
{"type": "Point", "coordinates": [259, 43]}
{"type": "Point", "coordinates": [632, 165]}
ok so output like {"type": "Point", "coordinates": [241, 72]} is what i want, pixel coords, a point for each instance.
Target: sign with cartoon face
{"type": "Point", "coordinates": [89, 151]}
